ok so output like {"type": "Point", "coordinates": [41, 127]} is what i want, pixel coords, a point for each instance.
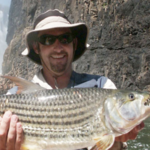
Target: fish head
{"type": "Point", "coordinates": [126, 109]}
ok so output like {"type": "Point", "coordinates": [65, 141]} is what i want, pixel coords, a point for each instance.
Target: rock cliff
{"type": "Point", "coordinates": [119, 38]}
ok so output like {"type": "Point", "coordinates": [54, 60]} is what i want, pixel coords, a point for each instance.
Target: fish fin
{"type": "Point", "coordinates": [24, 148]}
{"type": "Point", "coordinates": [104, 143]}
{"type": "Point", "coordinates": [24, 86]}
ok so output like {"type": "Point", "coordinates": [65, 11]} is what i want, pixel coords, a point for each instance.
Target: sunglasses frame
{"type": "Point", "coordinates": [42, 39]}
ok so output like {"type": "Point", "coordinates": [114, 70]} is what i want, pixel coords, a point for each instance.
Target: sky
{"type": "Point", "coordinates": [5, 2]}
{"type": "Point", "coordinates": [3, 29]}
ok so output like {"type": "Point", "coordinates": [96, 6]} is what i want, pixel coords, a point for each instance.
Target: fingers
{"type": "Point", "coordinates": [5, 121]}
{"type": "Point", "coordinates": [0, 120]}
{"type": "Point", "coordinates": [19, 138]}
{"type": "Point", "coordinates": [11, 132]}
{"type": "Point", "coordinates": [131, 135]}
{"type": "Point", "coordinates": [122, 138]}
{"type": "Point", "coordinates": [139, 127]}
{"type": "Point", "coordinates": [11, 139]}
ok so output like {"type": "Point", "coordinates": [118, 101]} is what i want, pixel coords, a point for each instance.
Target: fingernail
{"type": "Point", "coordinates": [19, 125]}
{"type": "Point", "coordinates": [14, 118]}
{"type": "Point", "coordinates": [8, 113]}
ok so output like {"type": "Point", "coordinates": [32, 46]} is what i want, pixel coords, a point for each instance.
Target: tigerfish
{"type": "Point", "coordinates": [69, 119]}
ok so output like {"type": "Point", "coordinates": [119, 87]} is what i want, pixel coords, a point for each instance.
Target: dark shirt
{"type": "Point", "coordinates": [77, 78]}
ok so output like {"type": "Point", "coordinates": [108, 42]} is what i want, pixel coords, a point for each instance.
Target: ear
{"type": "Point", "coordinates": [75, 42]}
{"type": "Point", "coordinates": [35, 47]}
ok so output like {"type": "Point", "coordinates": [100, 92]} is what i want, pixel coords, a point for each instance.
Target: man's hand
{"type": "Point", "coordinates": [11, 132]}
{"type": "Point", "coordinates": [131, 135]}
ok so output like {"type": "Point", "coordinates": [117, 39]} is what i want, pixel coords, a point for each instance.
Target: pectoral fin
{"type": "Point", "coordinates": [24, 148]}
{"type": "Point", "coordinates": [104, 143]}
{"type": "Point", "coordinates": [24, 86]}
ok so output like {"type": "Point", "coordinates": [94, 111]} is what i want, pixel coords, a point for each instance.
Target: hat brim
{"type": "Point", "coordinates": [79, 29]}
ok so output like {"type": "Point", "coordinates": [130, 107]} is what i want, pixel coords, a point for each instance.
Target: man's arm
{"type": "Point", "coordinates": [11, 132]}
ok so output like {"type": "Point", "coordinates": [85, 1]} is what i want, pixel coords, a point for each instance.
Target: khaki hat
{"type": "Point", "coordinates": [55, 19]}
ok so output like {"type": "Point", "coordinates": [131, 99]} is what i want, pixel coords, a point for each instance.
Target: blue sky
{"type": "Point", "coordinates": [5, 2]}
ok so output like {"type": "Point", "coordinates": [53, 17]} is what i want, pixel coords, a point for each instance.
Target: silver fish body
{"type": "Point", "coordinates": [68, 119]}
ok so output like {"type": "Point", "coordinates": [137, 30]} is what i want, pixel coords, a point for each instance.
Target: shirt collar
{"type": "Point", "coordinates": [39, 79]}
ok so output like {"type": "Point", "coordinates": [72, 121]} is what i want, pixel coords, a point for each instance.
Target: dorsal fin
{"type": "Point", "coordinates": [24, 86]}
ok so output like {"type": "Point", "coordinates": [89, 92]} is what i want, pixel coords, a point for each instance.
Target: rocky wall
{"type": "Point", "coordinates": [119, 38]}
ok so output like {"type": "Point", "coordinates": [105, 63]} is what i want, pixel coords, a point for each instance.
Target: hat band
{"type": "Point", "coordinates": [50, 20]}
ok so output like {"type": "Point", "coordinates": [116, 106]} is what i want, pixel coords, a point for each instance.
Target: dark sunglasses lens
{"type": "Point", "coordinates": [47, 39]}
{"type": "Point", "coordinates": [66, 38]}
{"type": "Point", "coordinates": [50, 39]}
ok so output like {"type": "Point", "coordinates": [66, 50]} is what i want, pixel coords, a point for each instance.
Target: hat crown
{"type": "Point", "coordinates": [53, 19]}
{"type": "Point", "coordinates": [49, 13]}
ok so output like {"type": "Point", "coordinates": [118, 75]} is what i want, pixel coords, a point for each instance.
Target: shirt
{"type": "Point", "coordinates": [77, 80]}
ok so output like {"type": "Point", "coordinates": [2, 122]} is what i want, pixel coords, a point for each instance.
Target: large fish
{"type": "Point", "coordinates": [69, 119]}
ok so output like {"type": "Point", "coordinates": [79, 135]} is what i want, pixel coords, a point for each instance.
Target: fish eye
{"type": "Point", "coordinates": [131, 96]}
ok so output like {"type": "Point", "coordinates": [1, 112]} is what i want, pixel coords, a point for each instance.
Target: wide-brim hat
{"type": "Point", "coordinates": [55, 19]}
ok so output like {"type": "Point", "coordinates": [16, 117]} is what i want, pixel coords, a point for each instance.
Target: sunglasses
{"type": "Point", "coordinates": [47, 39]}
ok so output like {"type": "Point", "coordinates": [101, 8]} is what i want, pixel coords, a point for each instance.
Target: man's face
{"type": "Point", "coordinates": [57, 57]}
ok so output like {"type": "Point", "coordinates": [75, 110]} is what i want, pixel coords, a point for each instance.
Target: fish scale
{"type": "Point", "coordinates": [69, 114]}
{"type": "Point", "coordinates": [61, 109]}
{"type": "Point", "coordinates": [62, 115]}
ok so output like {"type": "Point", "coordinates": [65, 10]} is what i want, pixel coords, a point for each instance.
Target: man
{"type": "Point", "coordinates": [54, 43]}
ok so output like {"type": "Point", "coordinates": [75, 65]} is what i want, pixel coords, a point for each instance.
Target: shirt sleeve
{"type": "Point", "coordinates": [104, 82]}
{"type": "Point", "coordinates": [12, 90]}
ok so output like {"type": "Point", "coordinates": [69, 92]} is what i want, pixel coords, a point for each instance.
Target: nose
{"type": "Point", "coordinates": [58, 46]}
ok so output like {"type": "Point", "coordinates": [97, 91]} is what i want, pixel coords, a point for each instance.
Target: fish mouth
{"type": "Point", "coordinates": [147, 101]}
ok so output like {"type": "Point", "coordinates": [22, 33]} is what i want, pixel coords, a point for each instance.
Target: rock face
{"type": "Point", "coordinates": [119, 38]}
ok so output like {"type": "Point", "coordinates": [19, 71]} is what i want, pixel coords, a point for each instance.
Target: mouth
{"type": "Point", "coordinates": [147, 102]}
{"type": "Point", "coordinates": [58, 56]}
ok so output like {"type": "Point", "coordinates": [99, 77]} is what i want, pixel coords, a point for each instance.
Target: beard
{"type": "Point", "coordinates": [58, 68]}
